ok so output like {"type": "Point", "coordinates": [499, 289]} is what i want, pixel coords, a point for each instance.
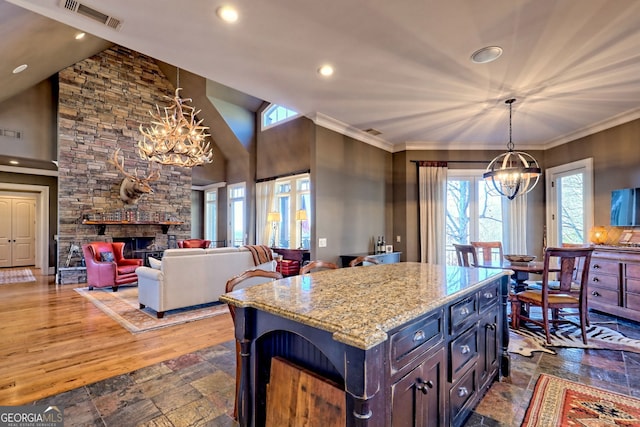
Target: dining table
{"type": "Point", "coordinates": [521, 270]}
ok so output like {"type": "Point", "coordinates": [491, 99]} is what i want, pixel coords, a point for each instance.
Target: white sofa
{"type": "Point", "coordinates": [188, 277]}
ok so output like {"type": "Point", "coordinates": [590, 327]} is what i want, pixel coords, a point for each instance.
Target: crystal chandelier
{"type": "Point", "coordinates": [513, 173]}
{"type": "Point", "coordinates": [176, 137]}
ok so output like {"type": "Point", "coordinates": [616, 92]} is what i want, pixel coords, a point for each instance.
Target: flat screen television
{"type": "Point", "coordinates": [625, 207]}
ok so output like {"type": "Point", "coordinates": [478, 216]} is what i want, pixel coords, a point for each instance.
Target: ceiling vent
{"type": "Point", "coordinates": [11, 133]}
{"type": "Point", "coordinates": [372, 131]}
{"type": "Point", "coordinates": [84, 10]}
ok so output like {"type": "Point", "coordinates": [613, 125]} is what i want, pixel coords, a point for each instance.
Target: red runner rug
{"type": "Point", "coordinates": [559, 402]}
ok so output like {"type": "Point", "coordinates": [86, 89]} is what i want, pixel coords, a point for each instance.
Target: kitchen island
{"type": "Point", "coordinates": [409, 343]}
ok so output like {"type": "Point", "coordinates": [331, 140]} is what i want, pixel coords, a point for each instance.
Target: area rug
{"type": "Point", "coordinates": [563, 403]}
{"type": "Point", "coordinates": [123, 307]}
{"type": "Point", "coordinates": [16, 276]}
{"type": "Point", "coordinates": [530, 339]}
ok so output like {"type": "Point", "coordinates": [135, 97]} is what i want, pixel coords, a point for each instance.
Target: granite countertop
{"type": "Point", "coordinates": [359, 305]}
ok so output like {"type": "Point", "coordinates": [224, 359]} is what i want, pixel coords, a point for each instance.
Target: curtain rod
{"type": "Point", "coordinates": [284, 175]}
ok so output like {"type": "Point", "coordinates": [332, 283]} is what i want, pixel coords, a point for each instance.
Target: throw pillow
{"type": "Point", "coordinates": [106, 256]}
{"type": "Point", "coordinates": [155, 263]}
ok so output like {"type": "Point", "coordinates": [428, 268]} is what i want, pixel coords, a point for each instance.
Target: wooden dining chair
{"type": "Point", "coordinates": [489, 252]}
{"type": "Point", "coordinates": [364, 260]}
{"type": "Point", "coordinates": [555, 301]}
{"type": "Point", "coordinates": [466, 254]}
{"type": "Point", "coordinates": [317, 265]}
{"type": "Point", "coordinates": [244, 280]}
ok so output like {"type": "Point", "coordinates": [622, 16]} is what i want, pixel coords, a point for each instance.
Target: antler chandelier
{"type": "Point", "coordinates": [513, 173]}
{"type": "Point", "coordinates": [176, 137]}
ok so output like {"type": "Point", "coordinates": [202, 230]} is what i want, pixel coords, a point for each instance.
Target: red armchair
{"type": "Point", "coordinates": [107, 266]}
{"type": "Point", "coordinates": [194, 243]}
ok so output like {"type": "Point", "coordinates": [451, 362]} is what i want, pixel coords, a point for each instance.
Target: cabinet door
{"type": "Point", "coordinates": [417, 399]}
{"type": "Point", "coordinates": [489, 347]}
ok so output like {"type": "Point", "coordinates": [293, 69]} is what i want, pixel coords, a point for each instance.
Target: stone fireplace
{"type": "Point", "coordinates": [102, 102]}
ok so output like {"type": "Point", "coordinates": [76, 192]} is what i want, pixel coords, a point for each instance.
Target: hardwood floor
{"type": "Point", "coordinates": [53, 340]}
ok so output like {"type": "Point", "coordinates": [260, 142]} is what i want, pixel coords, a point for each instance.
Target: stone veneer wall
{"type": "Point", "coordinates": [102, 102]}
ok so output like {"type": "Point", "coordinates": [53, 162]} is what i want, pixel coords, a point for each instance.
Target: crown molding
{"type": "Point", "coordinates": [350, 131]}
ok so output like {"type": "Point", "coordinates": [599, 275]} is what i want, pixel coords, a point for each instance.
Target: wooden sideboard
{"type": "Point", "coordinates": [614, 281]}
{"type": "Point", "coordinates": [383, 257]}
{"type": "Point", "coordinates": [409, 343]}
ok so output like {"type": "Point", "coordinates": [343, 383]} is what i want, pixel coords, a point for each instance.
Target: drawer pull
{"type": "Point", "coordinates": [595, 293]}
{"type": "Point", "coordinates": [464, 349]}
{"type": "Point", "coordinates": [596, 266]}
{"type": "Point", "coordinates": [491, 326]}
{"type": "Point", "coordinates": [418, 336]}
{"type": "Point", "coordinates": [488, 295]}
{"type": "Point", "coordinates": [462, 392]}
{"type": "Point", "coordinates": [464, 311]}
{"type": "Point", "coordinates": [595, 279]}
{"type": "Point", "coordinates": [423, 386]}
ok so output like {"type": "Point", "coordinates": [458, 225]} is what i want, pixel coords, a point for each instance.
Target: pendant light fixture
{"type": "Point", "coordinates": [176, 137]}
{"type": "Point", "coordinates": [513, 173]}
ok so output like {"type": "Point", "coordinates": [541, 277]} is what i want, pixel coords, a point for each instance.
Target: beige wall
{"type": "Point", "coordinates": [33, 113]}
{"type": "Point", "coordinates": [616, 162]}
{"type": "Point", "coordinates": [284, 149]}
{"type": "Point", "coordinates": [351, 193]}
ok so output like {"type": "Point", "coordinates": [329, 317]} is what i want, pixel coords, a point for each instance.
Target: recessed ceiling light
{"type": "Point", "coordinates": [20, 68]}
{"type": "Point", "coordinates": [227, 14]}
{"type": "Point", "coordinates": [80, 36]}
{"type": "Point", "coordinates": [326, 70]}
{"type": "Point", "coordinates": [14, 162]}
{"type": "Point", "coordinates": [486, 54]}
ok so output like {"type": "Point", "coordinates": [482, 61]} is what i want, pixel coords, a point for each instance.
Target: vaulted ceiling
{"type": "Point", "coordinates": [402, 68]}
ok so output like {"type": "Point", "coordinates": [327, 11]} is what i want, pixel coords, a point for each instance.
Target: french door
{"type": "Point", "coordinates": [569, 203]}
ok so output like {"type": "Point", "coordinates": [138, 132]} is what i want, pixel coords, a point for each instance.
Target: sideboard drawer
{"type": "Point", "coordinates": [633, 301]}
{"type": "Point", "coordinates": [414, 339]}
{"type": "Point", "coordinates": [603, 296]}
{"type": "Point", "coordinates": [462, 350]}
{"type": "Point", "coordinates": [633, 285]}
{"type": "Point", "coordinates": [603, 281]}
{"type": "Point", "coordinates": [604, 267]}
{"type": "Point", "coordinates": [462, 312]}
{"type": "Point", "coordinates": [633, 270]}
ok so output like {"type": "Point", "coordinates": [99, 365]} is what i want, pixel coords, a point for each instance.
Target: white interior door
{"type": "Point", "coordinates": [17, 231]}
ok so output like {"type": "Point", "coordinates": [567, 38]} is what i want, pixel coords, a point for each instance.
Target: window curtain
{"type": "Point", "coordinates": [432, 183]}
{"type": "Point", "coordinates": [265, 192]}
{"type": "Point", "coordinates": [514, 225]}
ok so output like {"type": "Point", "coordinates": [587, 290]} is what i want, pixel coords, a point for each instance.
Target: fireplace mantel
{"type": "Point", "coordinates": [102, 225]}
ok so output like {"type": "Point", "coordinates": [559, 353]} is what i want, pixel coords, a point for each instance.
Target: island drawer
{"type": "Point", "coordinates": [461, 313]}
{"type": "Point", "coordinates": [461, 351]}
{"type": "Point", "coordinates": [414, 339]}
{"type": "Point", "coordinates": [488, 296]}
{"type": "Point", "coordinates": [460, 395]}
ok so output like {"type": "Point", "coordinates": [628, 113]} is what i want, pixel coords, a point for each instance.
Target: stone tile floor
{"type": "Point", "coordinates": [197, 389]}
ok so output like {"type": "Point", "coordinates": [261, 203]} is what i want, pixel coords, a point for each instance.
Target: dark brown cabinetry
{"type": "Point", "coordinates": [614, 282]}
{"type": "Point", "coordinates": [454, 368]}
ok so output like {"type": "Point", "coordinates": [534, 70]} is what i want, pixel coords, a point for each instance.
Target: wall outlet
{"type": "Point", "coordinates": [322, 242]}
{"type": "Point", "coordinates": [398, 239]}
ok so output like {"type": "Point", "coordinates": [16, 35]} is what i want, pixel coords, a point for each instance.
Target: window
{"type": "Point", "coordinates": [275, 114]}
{"type": "Point", "coordinates": [570, 205]}
{"type": "Point", "coordinates": [473, 214]}
{"type": "Point", "coordinates": [211, 214]}
{"type": "Point", "coordinates": [293, 201]}
{"type": "Point", "coordinates": [236, 230]}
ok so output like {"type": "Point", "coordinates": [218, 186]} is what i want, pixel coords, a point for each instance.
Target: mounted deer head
{"type": "Point", "coordinates": [132, 187]}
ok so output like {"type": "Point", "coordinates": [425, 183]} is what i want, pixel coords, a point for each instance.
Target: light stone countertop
{"type": "Point", "coordinates": [359, 305]}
